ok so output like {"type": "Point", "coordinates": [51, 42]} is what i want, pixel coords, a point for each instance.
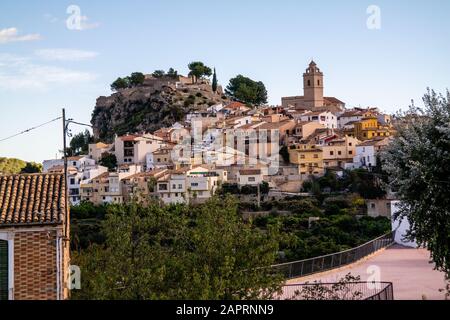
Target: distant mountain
{"type": "Point", "coordinates": [157, 103]}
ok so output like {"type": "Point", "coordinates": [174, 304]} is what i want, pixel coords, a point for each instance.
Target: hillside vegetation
{"type": "Point", "coordinates": [14, 166]}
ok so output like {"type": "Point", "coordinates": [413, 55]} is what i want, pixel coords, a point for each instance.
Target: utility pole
{"type": "Point", "coordinates": [66, 133]}
{"type": "Point", "coordinates": [66, 189]}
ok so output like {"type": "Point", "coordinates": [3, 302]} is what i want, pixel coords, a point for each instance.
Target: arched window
{"type": "Point", "coordinates": [309, 83]}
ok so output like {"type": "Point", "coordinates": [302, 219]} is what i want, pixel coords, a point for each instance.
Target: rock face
{"type": "Point", "coordinates": [150, 107]}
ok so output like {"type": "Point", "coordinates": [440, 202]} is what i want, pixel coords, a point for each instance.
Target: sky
{"type": "Point", "coordinates": [56, 54]}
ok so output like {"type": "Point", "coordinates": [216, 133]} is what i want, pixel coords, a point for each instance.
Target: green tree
{"type": "Point", "coordinates": [136, 79]}
{"type": "Point", "coordinates": [32, 167]}
{"type": "Point", "coordinates": [418, 166]}
{"type": "Point", "coordinates": [159, 73]}
{"type": "Point", "coordinates": [108, 160]}
{"type": "Point", "coordinates": [247, 91]}
{"type": "Point", "coordinates": [198, 70]}
{"type": "Point", "coordinates": [180, 252]}
{"type": "Point", "coordinates": [120, 83]}
{"type": "Point", "coordinates": [172, 73]}
{"type": "Point", "coordinates": [11, 165]}
{"type": "Point", "coordinates": [80, 143]}
{"type": "Point", "coordinates": [214, 81]}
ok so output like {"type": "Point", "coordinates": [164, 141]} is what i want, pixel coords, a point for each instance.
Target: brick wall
{"type": "Point", "coordinates": [35, 265]}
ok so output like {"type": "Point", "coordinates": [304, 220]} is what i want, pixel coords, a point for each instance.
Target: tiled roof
{"type": "Point", "coordinates": [32, 199]}
{"type": "Point", "coordinates": [249, 172]}
{"type": "Point", "coordinates": [75, 158]}
{"type": "Point", "coordinates": [234, 105]}
{"type": "Point", "coordinates": [130, 137]}
{"type": "Point", "coordinates": [153, 173]}
{"type": "Point", "coordinates": [332, 100]}
{"type": "Point", "coordinates": [276, 125]}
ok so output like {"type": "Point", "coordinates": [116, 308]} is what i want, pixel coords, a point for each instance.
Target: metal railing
{"type": "Point", "coordinates": [339, 291]}
{"type": "Point", "coordinates": [306, 267]}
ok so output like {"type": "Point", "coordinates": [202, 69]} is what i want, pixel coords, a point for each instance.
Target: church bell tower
{"type": "Point", "coordinates": [313, 86]}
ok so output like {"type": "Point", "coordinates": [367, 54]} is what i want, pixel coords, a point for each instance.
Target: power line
{"type": "Point", "coordinates": [30, 129]}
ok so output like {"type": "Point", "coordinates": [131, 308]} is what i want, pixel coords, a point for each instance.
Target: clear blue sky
{"type": "Point", "coordinates": [45, 66]}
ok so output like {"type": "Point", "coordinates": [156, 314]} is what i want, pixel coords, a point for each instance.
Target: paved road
{"type": "Point", "coordinates": [407, 268]}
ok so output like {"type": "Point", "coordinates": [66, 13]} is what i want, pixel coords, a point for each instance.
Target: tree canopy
{"type": "Point", "coordinates": [159, 73]}
{"type": "Point", "coordinates": [198, 70]}
{"type": "Point", "coordinates": [108, 160]}
{"type": "Point", "coordinates": [180, 252]}
{"type": "Point", "coordinates": [418, 165]}
{"type": "Point", "coordinates": [247, 91]}
{"type": "Point", "coordinates": [172, 73]}
{"type": "Point", "coordinates": [15, 166]}
{"type": "Point", "coordinates": [133, 80]}
{"type": "Point", "coordinates": [79, 145]}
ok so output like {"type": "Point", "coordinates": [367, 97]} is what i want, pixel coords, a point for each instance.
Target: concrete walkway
{"type": "Point", "coordinates": [407, 268]}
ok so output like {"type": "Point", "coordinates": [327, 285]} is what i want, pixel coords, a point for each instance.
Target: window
{"type": "Point", "coordinates": [174, 186]}
{"type": "Point", "coordinates": [4, 270]}
{"type": "Point", "coordinates": [72, 180]}
{"type": "Point", "coordinates": [339, 153]}
{"type": "Point", "coordinates": [180, 186]}
{"type": "Point", "coordinates": [350, 152]}
{"type": "Point", "coordinates": [194, 184]}
{"type": "Point", "coordinates": [128, 152]}
{"type": "Point", "coordinates": [316, 156]}
{"type": "Point", "coordinates": [372, 205]}
{"type": "Point", "coordinates": [74, 163]}
{"type": "Point", "coordinates": [309, 83]}
{"type": "Point", "coordinates": [251, 179]}
{"type": "Point", "coordinates": [163, 187]}
{"type": "Point", "coordinates": [318, 82]}
{"type": "Point", "coordinates": [331, 153]}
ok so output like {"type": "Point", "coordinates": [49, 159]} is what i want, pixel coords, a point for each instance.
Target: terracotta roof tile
{"type": "Point", "coordinates": [32, 199]}
{"type": "Point", "coordinates": [249, 172]}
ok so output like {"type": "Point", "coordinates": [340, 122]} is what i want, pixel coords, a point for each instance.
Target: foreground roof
{"type": "Point", "coordinates": [32, 199]}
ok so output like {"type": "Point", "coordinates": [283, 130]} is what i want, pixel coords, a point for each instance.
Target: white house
{"type": "Point", "coordinates": [215, 108]}
{"type": "Point", "coordinates": [172, 187]}
{"type": "Point", "coordinates": [349, 116]}
{"type": "Point", "coordinates": [133, 149]}
{"type": "Point", "coordinates": [367, 151]}
{"type": "Point", "coordinates": [201, 183]}
{"type": "Point", "coordinates": [326, 118]}
{"type": "Point", "coordinates": [79, 169]}
{"type": "Point", "coordinates": [79, 162]}
{"type": "Point", "coordinates": [249, 177]}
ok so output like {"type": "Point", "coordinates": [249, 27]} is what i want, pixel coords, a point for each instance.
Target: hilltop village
{"type": "Point", "coordinates": [315, 134]}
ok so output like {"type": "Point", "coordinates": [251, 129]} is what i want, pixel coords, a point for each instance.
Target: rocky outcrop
{"type": "Point", "coordinates": [149, 108]}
